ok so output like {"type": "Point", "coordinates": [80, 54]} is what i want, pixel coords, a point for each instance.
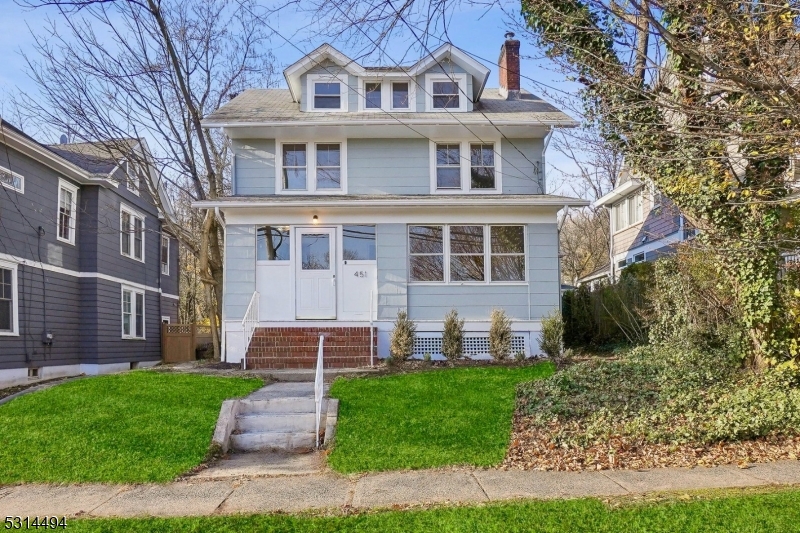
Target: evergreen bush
{"type": "Point", "coordinates": [500, 335]}
{"type": "Point", "coordinates": [453, 336]}
{"type": "Point", "coordinates": [401, 341]}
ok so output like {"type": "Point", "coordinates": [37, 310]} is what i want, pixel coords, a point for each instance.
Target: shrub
{"type": "Point", "coordinates": [519, 356]}
{"type": "Point", "coordinates": [401, 341]}
{"type": "Point", "coordinates": [551, 338]}
{"type": "Point", "coordinates": [500, 335]}
{"type": "Point", "coordinates": [453, 336]}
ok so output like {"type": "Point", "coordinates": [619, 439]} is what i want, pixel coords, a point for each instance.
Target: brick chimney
{"type": "Point", "coordinates": [509, 68]}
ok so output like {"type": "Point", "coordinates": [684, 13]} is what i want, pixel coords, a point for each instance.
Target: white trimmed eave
{"type": "Point", "coordinates": [477, 70]}
{"type": "Point", "coordinates": [293, 72]}
{"type": "Point", "coordinates": [355, 202]}
{"type": "Point", "coordinates": [52, 160]}
{"type": "Point", "coordinates": [619, 193]}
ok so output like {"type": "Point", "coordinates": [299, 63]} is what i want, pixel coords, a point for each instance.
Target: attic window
{"type": "Point", "coordinates": [445, 95]}
{"type": "Point", "coordinates": [327, 95]}
{"type": "Point", "coordinates": [446, 92]}
{"type": "Point", "coordinates": [12, 180]}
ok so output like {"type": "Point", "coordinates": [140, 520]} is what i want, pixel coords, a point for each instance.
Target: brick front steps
{"type": "Point", "coordinates": [296, 347]}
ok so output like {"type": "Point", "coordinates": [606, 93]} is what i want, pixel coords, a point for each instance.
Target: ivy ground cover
{"type": "Point", "coordinates": [135, 427]}
{"type": "Point", "coordinates": [454, 416]}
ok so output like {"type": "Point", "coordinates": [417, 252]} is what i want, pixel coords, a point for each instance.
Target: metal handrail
{"type": "Point", "coordinates": [249, 324]}
{"type": "Point", "coordinates": [318, 386]}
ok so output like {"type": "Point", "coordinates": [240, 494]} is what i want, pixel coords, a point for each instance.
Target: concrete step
{"type": "Point", "coordinates": [280, 405]}
{"type": "Point", "coordinates": [277, 422]}
{"type": "Point", "coordinates": [287, 441]}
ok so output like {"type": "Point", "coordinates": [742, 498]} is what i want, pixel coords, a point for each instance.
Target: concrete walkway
{"type": "Point", "coordinates": [303, 492]}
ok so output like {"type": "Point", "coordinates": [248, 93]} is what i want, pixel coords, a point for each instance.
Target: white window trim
{"type": "Point", "coordinates": [134, 291]}
{"type": "Point", "coordinates": [165, 319]}
{"type": "Point", "coordinates": [123, 208]}
{"type": "Point", "coordinates": [279, 262]}
{"type": "Point", "coordinates": [169, 244]}
{"type": "Point", "coordinates": [14, 267]}
{"type": "Point", "coordinates": [625, 201]}
{"type": "Point", "coordinates": [344, 91]}
{"type": "Point", "coordinates": [386, 94]}
{"type": "Point", "coordinates": [21, 189]}
{"type": "Point", "coordinates": [63, 184]}
{"type": "Point", "coordinates": [461, 79]}
{"type": "Point", "coordinates": [466, 162]}
{"type": "Point", "coordinates": [137, 180]}
{"type": "Point", "coordinates": [487, 255]}
{"type": "Point", "coordinates": [311, 167]}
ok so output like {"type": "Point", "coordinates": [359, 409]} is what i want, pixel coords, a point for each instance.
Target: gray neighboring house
{"type": "Point", "coordinates": [87, 271]}
{"type": "Point", "coordinates": [362, 191]}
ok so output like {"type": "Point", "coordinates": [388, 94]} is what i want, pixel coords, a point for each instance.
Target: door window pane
{"type": "Point", "coordinates": [358, 243]}
{"type": "Point", "coordinates": [426, 247]}
{"type": "Point", "coordinates": [6, 300]}
{"type": "Point", "coordinates": [400, 95]}
{"type": "Point", "coordinates": [448, 166]}
{"type": "Point", "coordinates": [372, 96]}
{"type": "Point", "coordinates": [329, 166]}
{"type": "Point", "coordinates": [482, 166]}
{"type": "Point", "coordinates": [273, 243]}
{"type": "Point", "coordinates": [445, 95]}
{"type": "Point", "coordinates": [294, 167]}
{"type": "Point", "coordinates": [466, 253]}
{"type": "Point", "coordinates": [316, 251]}
{"type": "Point", "coordinates": [327, 95]}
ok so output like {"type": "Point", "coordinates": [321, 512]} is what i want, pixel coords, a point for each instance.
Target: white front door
{"type": "Point", "coordinates": [315, 289]}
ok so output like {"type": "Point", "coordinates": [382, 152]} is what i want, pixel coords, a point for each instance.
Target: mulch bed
{"type": "Point", "coordinates": [533, 449]}
{"type": "Point", "coordinates": [5, 393]}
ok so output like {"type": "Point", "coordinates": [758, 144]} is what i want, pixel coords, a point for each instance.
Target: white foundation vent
{"type": "Point", "coordinates": [473, 345]}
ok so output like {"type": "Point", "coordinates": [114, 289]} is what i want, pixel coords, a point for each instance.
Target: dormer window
{"type": "Point", "coordinates": [446, 92]}
{"type": "Point", "coordinates": [372, 95]}
{"type": "Point", "coordinates": [327, 92]}
{"type": "Point", "coordinates": [400, 98]}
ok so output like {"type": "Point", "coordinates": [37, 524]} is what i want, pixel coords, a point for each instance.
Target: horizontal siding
{"type": "Point", "coordinates": [392, 259]}
{"type": "Point", "coordinates": [473, 302]}
{"type": "Point", "coordinates": [255, 167]}
{"type": "Point", "coordinates": [240, 270]}
{"type": "Point", "coordinates": [521, 158]}
{"type": "Point", "coordinates": [388, 166]}
{"type": "Point", "coordinates": [543, 269]}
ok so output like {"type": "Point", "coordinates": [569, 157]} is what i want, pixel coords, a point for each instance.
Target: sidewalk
{"type": "Point", "coordinates": [297, 493]}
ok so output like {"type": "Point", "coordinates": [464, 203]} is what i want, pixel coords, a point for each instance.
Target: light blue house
{"type": "Point", "coordinates": [360, 191]}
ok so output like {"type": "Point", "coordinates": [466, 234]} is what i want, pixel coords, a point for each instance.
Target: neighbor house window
{"type": "Point", "coordinates": [426, 253]}
{"type": "Point", "coordinates": [445, 95]}
{"type": "Point", "coordinates": [131, 233]}
{"type": "Point", "coordinates": [273, 243]}
{"type": "Point", "coordinates": [67, 203]}
{"type": "Point", "coordinates": [329, 166]}
{"type": "Point", "coordinates": [464, 251]}
{"type": "Point", "coordinates": [132, 313]}
{"type": "Point", "coordinates": [294, 167]}
{"type": "Point", "coordinates": [481, 166]}
{"type": "Point", "coordinates": [165, 255]}
{"type": "Point", "coordinates": [12, 180]}
{"type": "Point", "coordinates": [358, 243]}
{"type": "Point", "coordinates": [327, 95]}
{"type": "Point", "coordinates": [400, 95]}
{"type": "Point", "coordinates": [628, 211]}
{"type": "Point", "coordinates": [372, 95]}
{"type": "Point", "coordinates": [448, 166]}
{"type": "Point", "coordinates": [507, 251]}
{"type": "Point", "coordinates": [8, 299]}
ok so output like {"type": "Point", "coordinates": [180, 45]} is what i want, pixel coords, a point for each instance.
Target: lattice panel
{"type": "Point", "coordinates": [472, 345]}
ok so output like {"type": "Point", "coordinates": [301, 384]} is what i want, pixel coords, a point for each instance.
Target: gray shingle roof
{"type": "Point", "coordinates": [276, 105]}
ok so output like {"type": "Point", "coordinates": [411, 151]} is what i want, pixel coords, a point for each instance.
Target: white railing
{"type": "Point", "coordinates": [318, 386]}
{"type": "Point", "coordinates": [249, 325]}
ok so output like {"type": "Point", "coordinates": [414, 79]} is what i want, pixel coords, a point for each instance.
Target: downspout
{"type": "Point", "coordinates": [223, 352]}
{"type": "Point", "coordinates": [612, 267]}
{"type": "Point", "coordinates": [558, 255]}
{"type": "Point", "coordinates": [541, 172]}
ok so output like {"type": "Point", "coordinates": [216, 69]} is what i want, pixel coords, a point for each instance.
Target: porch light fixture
{"type": "Point", "coordinates": [315, 219]}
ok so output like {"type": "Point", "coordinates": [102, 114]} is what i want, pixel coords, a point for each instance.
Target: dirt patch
{"type": "Point", "coordinates": [415, 365]}
{"type": "Point", "coordinates": [5, 393]}
{"type": "Point", "coordinates": [533, 449]}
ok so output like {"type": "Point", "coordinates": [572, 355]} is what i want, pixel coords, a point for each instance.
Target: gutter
{"type": "Point", "coordinates": [355, 202]}
{"type": "Point", "coordinates": [424, 122]}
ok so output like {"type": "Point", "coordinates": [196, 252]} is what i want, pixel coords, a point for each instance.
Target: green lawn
{"type": "Point", "coordinates": [768, 513]}
{"type": "Point", "coordinates": [427, 419]}
{"type": "Point", "coordinates": [124, 428]}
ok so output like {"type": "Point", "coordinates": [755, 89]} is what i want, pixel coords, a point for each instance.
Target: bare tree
{"type": "Point", "coordinates": [110, 71]}
{"type": "Point", "coordinates": [583, 243]}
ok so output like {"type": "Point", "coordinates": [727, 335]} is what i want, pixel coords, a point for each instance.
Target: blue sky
{"type": "Point", "coordinates": [474, 29]}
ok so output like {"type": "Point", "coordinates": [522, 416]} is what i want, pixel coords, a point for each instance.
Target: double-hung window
{"type": "Point", "coordinates": [131, 229]}
{"type": "Point", "coordinates": [400, 95]}
{"type": "Point", "coordinates": [132, 313]}
{"type": "Point", "coordinates": [165, 255]}
{"type": "Point", "coordinates": [9, 323]}
{"type": "Point", "coordinates": [325, 174]}
{"type": "Point", "coordinates": [462, 166]}
{"type": "Point", "coordinates": [372, 95]}
{"type": "Point", "coordinates": [475, 253]}
{"type": "Point", "coordinates": [446, 93]}
{"type": "Point", "coordinates": [12, 180]}
{"type": "Point", "coordinates": [67, 204]}
{"type": "Point", "coordinates": [628, 211]}
{"type": "Point", "coordinates": [327, 92]}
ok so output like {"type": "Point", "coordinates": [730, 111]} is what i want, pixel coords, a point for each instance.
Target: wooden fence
{"type": "Point", "coordinates": [179, 342]}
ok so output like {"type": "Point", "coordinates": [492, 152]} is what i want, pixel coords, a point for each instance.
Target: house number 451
{"type": "Point", "coordinates": [360, 273]}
